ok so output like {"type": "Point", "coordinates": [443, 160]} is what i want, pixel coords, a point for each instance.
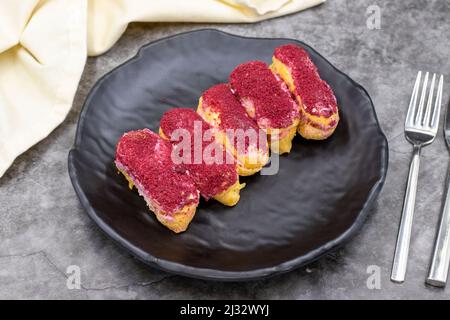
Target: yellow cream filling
{"type": "Point", "coordinates": [162, 135]}
{"type": "Point", "coordinates": [283, 71]}
{"type": "Point", "coordinates": [180, 220]}
{"type": "Point", "coordinates": [130, 181]}
{"type": "Point", "coordinates": [283, 145]}
{"type": "Point", "coordinates": [213, 118]}
{"type": "Point", "coordinates": [230, 196]}
{"type": "Point", "coordinates": [322, 120]}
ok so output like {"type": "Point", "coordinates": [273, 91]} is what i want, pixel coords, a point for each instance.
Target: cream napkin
{"type": "Point", "coordinates": [44, 43]}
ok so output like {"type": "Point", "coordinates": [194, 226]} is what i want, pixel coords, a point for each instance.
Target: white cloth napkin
{"type": "Point", "coordinates": [44, 43]}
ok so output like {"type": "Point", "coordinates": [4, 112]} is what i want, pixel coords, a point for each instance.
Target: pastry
{"type": "Point", "coordinates": [144, 159]}
{"type": "Point", "coordinates": [319, 114]}
{"type": "Point", "coordinates": [267, 99]}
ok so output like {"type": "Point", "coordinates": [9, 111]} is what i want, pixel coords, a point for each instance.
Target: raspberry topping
{"type": "Point", "coordinates": [254, 83]}
{"type": "Point", "coordinates": [148, 159]}
{"type": "Point", "coordinates": [212, 168]}
{"type": "Point", "coordinates": [316, 95]}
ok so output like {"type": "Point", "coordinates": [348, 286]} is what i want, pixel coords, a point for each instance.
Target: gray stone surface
{"type": "Point", "coordinates": [43, 228]}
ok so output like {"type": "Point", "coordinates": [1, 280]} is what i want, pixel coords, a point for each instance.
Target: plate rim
{"type": "Point", "coordinates": [214, 274]}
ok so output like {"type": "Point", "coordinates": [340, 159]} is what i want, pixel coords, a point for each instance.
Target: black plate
{"type": "Point", "coordinates": [316, 202]}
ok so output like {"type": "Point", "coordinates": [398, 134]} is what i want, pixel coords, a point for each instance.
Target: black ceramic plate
{"type": "Point", "coordinates": [318, 200]}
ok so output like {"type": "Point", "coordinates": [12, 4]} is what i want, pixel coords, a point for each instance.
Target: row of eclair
{"type": "Point", "coordinates": [281, 100]}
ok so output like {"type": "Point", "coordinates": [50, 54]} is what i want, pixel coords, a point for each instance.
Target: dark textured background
{"type": "Point", "coordinates": [43, 228]}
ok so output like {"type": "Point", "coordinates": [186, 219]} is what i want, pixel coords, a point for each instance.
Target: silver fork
{"type": "Point", "coordinates": [438, 272]}
{"type": "Point", "coordinates": [421, 126]}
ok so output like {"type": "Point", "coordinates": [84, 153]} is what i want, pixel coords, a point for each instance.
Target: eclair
{"type": "Point", "coordinates": [319, 114]}
{"type": "Point", "coordinates": [234, 128]}
{"type": "Point", "coordinates": [145, 160]}
{"type": "Point", "coordinates": [267, 99]}
{"type": "Point", "coordinates": [211, 166]}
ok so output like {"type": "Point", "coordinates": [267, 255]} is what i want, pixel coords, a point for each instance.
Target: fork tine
{"type": "Point", "coordinates": [426, 120]}
{"type": "Point", "coordinates": [419, 114]}
{"type": "Point", "coordinates": [413, 102]}
{"type": "Point", "coordinates": [437, 105]}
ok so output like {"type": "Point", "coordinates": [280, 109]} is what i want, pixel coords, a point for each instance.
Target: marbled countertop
{"type": "Point", "coordinates": [43, 228]}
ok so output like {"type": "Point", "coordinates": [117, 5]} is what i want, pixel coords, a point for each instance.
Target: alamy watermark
{"type": "Point", "coordinates": [373, 21]}
{"type": "Point", "coordinates": [374, 280]}
{"type": "Point", "coordinates": [73, 281]}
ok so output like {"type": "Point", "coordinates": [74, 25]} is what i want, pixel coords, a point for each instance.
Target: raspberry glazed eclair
{"type": "Point", "coordinates": [211, 166]}
{"type": "Point", "coordinates": [319, 114]}
{"type": "Point", "coordinates": [267, 99]}
{"type": "Point", "coordinates": [234, 128]}
{"type": "Point", "coordinates": [144, 159]}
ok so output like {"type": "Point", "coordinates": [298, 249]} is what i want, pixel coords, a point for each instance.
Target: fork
{"type": "Point", "coordinates": [438, 272]}
{"type": "Point", "coordinates": [421, 126]}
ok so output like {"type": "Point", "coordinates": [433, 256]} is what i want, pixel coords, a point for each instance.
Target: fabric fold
{"type": "Point", "coordinates": [39, 74]}
{"type": "Point", "coordinates": [108, 19]}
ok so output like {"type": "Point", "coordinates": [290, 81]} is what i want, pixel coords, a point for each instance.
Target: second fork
{"type": "Point", "coordinates": [421, 126]}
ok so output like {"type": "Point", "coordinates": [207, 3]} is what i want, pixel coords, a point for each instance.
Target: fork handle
{"type": "Point", "coordinates": [404, 233]}
{"type": "Point", "coordinates": [441, 256]}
